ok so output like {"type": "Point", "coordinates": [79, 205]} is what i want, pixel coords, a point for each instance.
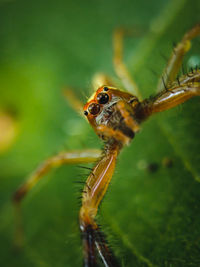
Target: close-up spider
{"type": "Point", "coordinates": [115, 116]}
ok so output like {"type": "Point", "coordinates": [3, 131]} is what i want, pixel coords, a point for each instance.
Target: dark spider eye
{"type": "Point", "coordinates": [85, 112]}
{"type": "Point", "coordinates": [105, 88]}
{"type": "Point", "coordinates": [94, 108]}
{"type": "Point", "coordinates": [102, 98]}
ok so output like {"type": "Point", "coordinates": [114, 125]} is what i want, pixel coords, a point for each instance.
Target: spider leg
{"type": "Point", "coordinates": [105, 132]}
{"type": "Point", "coordinates": [126, 114]}
{"type": "Point", "coordinates": [73, 101]}
{"type": "Point", "coordinates": [100, 79]}
{"type": "Point", "coordinates": [188, 86]}
{"type": "Point", "coordinates": [93, 193]}
{"type": "Point", "coordinates": [175, 61]}
{"type": "Point", "coordinates": [84, 156]}
{"type": "Point", "coordinates": [120, 68]}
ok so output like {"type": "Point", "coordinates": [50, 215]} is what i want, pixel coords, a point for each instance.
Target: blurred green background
{"type": "Point", "coordinates": [150, 218]}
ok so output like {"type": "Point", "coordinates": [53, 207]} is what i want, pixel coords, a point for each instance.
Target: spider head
{"type": "Point", "coordinates": [97, 102]}
{"type": "Point", "coordinates": [110, 110]}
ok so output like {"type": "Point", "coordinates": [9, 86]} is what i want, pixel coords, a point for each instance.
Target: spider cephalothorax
{"type": "Point", "coordinates": [111, 114]}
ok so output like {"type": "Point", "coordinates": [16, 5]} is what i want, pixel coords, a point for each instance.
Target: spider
{"type": "Point", "coordinates": [116, 117]}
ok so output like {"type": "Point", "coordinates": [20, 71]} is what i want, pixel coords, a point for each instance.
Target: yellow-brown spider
{"type": "Point", "coordinates": [116, 117]}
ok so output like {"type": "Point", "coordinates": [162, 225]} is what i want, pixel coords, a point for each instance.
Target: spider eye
{"type": "Point", "coordinates": [94, 108]}
{"type": "Point", "coordinates": [102, 98]}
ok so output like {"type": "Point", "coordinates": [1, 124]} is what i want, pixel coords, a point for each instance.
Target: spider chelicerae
{"type": "Point", "coordinates": [116, 117]}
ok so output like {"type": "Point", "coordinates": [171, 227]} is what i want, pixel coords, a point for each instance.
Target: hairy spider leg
{"type": "Point", "coordinates": [187, 87]}
{"type": "Point", "coordinates": [93, 193]}
{"type": "Point", "coordinates": [105, 132]}
{"type": "Point", "coordinates": [171, 70]}
{"type": "Point", "coordinates": [120, 68]}
{"type": "Point", "coordinates": [71, 157]}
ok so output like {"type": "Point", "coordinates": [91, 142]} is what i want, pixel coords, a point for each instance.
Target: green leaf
{"type": "Point", "coordinates": [151, 218]}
